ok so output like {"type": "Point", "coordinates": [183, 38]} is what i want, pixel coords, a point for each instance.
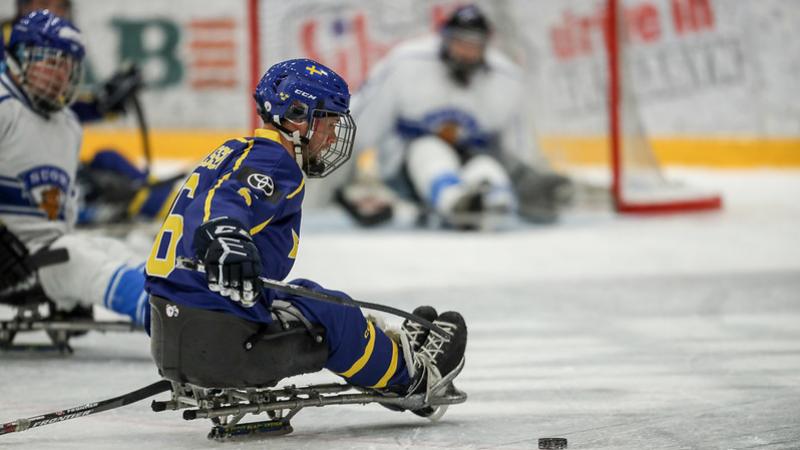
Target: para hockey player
{"type": "Point", "coordinates": [446, 114]}
{"type": "Point", "coordinates": [112, 188]}
{"type": "Point", "coordinates": [239, 214]}
{"type": "Point", "coordinates": [39, 144]}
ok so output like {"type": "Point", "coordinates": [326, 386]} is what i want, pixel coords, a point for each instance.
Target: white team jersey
{"type": "Point", "coordinates": [38, 163]}
{"type": "Point", "coordinates": [410, 93]}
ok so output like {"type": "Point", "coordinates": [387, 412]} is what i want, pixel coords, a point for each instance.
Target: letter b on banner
{"type": "Point", "coordinates": [137, 44]}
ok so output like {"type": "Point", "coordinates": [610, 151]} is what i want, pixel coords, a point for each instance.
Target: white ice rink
{"type": "Point", "coordinates": [677, 332]}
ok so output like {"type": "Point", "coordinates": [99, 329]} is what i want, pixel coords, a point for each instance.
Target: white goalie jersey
{"type": "Point", "coordinates": [38, 164]}
{"type": "Point", "coordinates": [411, 94]}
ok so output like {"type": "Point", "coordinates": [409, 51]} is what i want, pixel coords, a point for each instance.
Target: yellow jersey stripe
{"type": "Point", "coordinates": [361, 362]}
{"type": "Point", "coordinates": [210, 197]}
{"type": "Point", "coordinates": [297, 191]}
{"type": "Point", "coordinates": [260, 226]}
{"type": "Point", "coordinates": [244, 155]}
{"type": "Point", "coordinates": [207, 206]}
{"type": "Point", "coordinates": [295, 245]}
{"type": "Point", "coordinates": [391, 370]}
{"type": "Point", "coordinates": [245, 193]}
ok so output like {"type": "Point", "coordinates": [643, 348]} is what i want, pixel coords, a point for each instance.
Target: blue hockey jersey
{"type": "Point", "coordinates": [253, 180]}
{"type": "Point", "coordinates": [257, 182]}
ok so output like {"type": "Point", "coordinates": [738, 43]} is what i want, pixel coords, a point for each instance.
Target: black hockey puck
{"type": "Point", "coordinates": [549, 443]}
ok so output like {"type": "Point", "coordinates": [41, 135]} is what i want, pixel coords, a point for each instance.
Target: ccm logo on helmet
{"type": "Point", "coordinates": [305, 94]}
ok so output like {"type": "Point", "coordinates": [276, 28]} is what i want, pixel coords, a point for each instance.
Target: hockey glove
{"type": "Point", "coordinates": [540, 193]}
{"type": "Point", "coordinates": [113, 95]}
{"type": "Point", "coordinates": [232, 262]}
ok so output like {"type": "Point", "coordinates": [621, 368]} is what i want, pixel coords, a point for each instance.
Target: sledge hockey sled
{"type": "Point", "coordinates": [41, 314]}
{"type": "Point", "coordinates": [33, 311]}
{"type": "Point", "coordinates": [223, 368]}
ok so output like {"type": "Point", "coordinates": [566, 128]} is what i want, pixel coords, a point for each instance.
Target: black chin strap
{"type": "Point", "coordinates": [303, 139]}
{"type": "Point", "coordinates": [311, 167]}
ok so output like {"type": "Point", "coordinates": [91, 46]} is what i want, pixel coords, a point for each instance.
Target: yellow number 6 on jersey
{"type": "Point", "coordinates": [161, 261]}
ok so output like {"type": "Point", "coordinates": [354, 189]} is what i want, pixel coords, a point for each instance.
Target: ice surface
{"type": "Point", "coordinates": [672, 332]}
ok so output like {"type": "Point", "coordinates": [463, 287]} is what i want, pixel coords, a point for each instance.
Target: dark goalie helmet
{"type": "Point", "coordinates": [45, 54]}
{"type": "Point", "coordinates": [467, 25]}
{"type": "Point", "coordinates": [303, 90]}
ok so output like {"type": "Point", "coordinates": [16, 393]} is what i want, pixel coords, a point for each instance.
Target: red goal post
{"type": "Point", "coordinates": [637, 184]}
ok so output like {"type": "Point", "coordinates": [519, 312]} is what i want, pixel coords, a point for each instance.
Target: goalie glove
{"type": "Point", "coordinates": [232, 262]}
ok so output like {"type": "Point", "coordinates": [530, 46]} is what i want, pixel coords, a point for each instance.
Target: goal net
{"type": "Point", "coordinates": [602, 72]}
{"type": "Point", "coordinates": [637, 182]}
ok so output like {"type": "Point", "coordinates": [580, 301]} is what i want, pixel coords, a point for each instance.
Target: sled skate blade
{"type": "Point", "coordinates": [435, 408]}
{"type": "Point", "coordinates": [23, 349]}
{"type": "Point", "coordinates": [252, 430]}
{"type": "Point", "coordinates": [446, 381]}
{"type": "Point", "coordinates": [450, 396]}
{"type": "Point", "coordinates": [58, 332]}
{"type": "Point", "coordinates": [486, 221]}
{"type": "Point", "coordinates": [10, 329]}
{"type": "Point", "coordinates": [59, 326]}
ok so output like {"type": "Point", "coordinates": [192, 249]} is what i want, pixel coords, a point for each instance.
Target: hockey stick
{"type": "Point", "coordinates": [144, 131]}
{"type": "Point", "coordinates": [189, 264]}
{"type": "Point", "coordinates": [87, 409]}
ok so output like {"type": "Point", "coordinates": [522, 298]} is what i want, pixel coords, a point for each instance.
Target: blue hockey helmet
{"type": "Point", "coordinates": [61, 8]}
{"type": "Point", "coordinates": [305, 91]}
{"type": "Point", "coordinates": [45, 54]}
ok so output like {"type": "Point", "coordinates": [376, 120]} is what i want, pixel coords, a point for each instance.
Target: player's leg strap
{"type": "Point", "coordinates": [48, 257]}
{"type": "Point", "coordinates": [216, 349]}
{"type": "Point", "coordinates": [18, 267]}
{"type": "Point", "coordinates": [291, 321]}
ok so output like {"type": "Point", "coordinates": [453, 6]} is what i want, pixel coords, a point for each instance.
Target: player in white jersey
{"type": "Point", "coordinates": [39, 144]}
{"type": "Point", "coordinates": [446, 114]}
{"type": "Point", "coordinates": [113, 189]}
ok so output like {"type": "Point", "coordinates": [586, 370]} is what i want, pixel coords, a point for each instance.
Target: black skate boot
{"type": "Point", "coordinates": [414, 333]}
{"type": "Point", "coordinates": [438, 362]}
{"type": "Point", "coordinates": [411, 338]}
{"type": "Point", "coordinates": [466, 213]}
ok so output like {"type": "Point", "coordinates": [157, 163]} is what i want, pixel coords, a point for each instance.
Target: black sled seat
{"type": "Point", "coordinates": [210, 349]}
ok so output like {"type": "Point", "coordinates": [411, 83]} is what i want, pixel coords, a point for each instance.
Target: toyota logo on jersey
{"type": "Point", "coordinates": [261, 182]}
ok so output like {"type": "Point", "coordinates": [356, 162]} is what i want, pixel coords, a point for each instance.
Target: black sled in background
{"type": "Point", "coordinates": [32, 310]}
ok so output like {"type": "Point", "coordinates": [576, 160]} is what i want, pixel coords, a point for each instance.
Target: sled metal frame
{"type": "Point", "coordinates": [28, 318]}
{"type": "Point", "coordinates": [226, 407]}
